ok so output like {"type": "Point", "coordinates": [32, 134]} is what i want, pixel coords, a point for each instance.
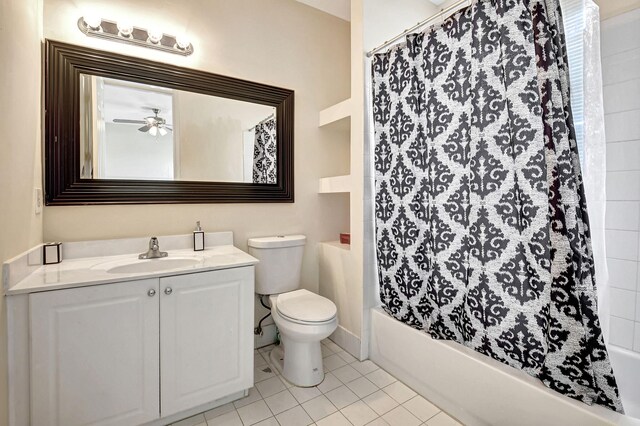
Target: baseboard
{"type": "Point", "coordinates": [268, 337]}
{"type": "Point", "coordinates": [347, 341]}
{"type": "Point", "coordinates": [341, 337]}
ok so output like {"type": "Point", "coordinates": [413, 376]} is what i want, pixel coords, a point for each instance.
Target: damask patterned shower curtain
{"type": "Point", "coordinates": [481, 226]}
{"type": "Point", "coordinates": [264, 152]}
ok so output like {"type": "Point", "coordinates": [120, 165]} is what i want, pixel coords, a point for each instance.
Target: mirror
{"type": "Point", "coordinates": [126, 130]}
{"type": "Point", "coordinates": [139, 131]}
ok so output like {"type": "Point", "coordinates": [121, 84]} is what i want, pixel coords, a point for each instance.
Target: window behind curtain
{"type": "Point", "coordinates": [573, 16]}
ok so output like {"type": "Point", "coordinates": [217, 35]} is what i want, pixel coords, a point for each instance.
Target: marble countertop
{"type": "Point", "coordinates": [79, 272]}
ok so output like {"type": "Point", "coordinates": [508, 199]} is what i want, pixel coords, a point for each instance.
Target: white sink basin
{"type": "Point", "coordinates": [148, 265]}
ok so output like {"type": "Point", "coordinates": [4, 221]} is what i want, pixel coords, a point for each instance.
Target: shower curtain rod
{"type": "Point", "coordinates": [418, 25]}
{"type": "Point", "coordinates": [260, 122]}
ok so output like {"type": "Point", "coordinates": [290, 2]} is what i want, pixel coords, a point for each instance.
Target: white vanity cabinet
{"type": "Point", "coordinates": [140, 351]}
{"type": "Point", "coordinates": [206, 337]}
{"type": "Point", "coordinates": [95, 355]}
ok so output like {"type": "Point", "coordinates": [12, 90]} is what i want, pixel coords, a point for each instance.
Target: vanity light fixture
{"type": "Point", "coordinates": [122, 31]}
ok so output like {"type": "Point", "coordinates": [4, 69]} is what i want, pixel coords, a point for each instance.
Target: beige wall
{"type": "Point", "coordinates": [611, 8]}
{"type": "Point", "coordinates": [20, 162]}
{"type": "Point", "coordinates": [278, 42]}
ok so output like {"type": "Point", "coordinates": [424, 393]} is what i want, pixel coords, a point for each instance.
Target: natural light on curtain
{"type": "Point", "coordinates": [574, 25]}
{"type": "Point", "coordinates": [582, 32]}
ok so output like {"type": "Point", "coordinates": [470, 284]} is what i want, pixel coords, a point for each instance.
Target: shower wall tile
{"type": "Point", "coordinates": [623, 215]}
{"type": "Point", "coordinates": [622, 244]}
{"type": "Point", "coordinates": [623, 186]}
{"type": "Point", "coordinates": [620, 34]}
{"type": "Point", "coordinates": [622, 273]}
{"type": "Point", "coordinates": [622, 126]}
{"type": "Point", "coordinates": [621, 67]}
{"type": "Point", "coordinates": [623, 303]}
{"type": "Point", "coordinates": [620, 43]}
{"type": "Point", "coordinates": [621, 332]}
{"type": "Point", "coordinates": [617, 96]}
{"type": "Point", "coordinates": [623, 156]}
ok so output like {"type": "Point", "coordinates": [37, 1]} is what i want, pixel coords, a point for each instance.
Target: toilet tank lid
{"type": "Point", "coordinates": [277, 241]}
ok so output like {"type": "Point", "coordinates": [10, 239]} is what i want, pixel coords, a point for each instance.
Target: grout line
{"type": "Point", "coordinates": [621, 171]}
{"type": "Point", "coordinates": [604, 86]}
{"type": "Point", "coordinates": [620, 53]}
{"type": "Point", "coordinates": [636, 140]}
{"type": "Point", "coordinates": [624, 170]}
{"type": "Point", "coordinates": [622, 230]}
{"type": "Point", "coordinates": [622, 318]}
{"type": "Point", "coordinates": [622, 111]}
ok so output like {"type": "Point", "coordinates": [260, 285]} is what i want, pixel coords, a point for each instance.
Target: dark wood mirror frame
{"type": "Point", "coordinates": [63, 65]}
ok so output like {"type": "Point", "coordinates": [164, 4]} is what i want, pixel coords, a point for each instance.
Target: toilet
{"type": "Point", "coordinates": [302, 317]}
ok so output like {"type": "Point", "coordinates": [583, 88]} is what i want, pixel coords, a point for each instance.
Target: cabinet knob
{"type": "Point", "coordinates": [151, 293]}
{"type": "Point", "coordinates": [168, 291]}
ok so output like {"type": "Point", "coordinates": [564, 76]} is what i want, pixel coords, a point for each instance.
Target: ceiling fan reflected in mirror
{"type": "Point", "coordinates": [153, 125]}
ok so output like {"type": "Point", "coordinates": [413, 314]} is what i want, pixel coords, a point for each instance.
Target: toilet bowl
{"type": "Point", "coordinates": [302, 317]}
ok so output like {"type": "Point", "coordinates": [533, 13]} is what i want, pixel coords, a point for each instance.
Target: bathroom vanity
{"type": "Point", "coordinates": [115, 340]}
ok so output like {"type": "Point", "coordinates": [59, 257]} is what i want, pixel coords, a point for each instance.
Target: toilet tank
{"type": "Point", "coordinates": [280, 262]}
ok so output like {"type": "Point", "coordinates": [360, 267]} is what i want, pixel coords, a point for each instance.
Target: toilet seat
{"type": "Point", "coordinates": [305, 307]}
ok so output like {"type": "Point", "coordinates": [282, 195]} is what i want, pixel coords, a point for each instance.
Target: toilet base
{"type": "Point", "coordinates": [299, 363]}
{"type": "Point", "coordinates": [276, 356]}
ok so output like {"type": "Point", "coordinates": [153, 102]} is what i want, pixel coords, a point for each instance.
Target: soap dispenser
{"type": "Point", "coordinates": [198, 238]}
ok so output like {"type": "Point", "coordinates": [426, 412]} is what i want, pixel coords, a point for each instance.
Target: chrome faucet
{"type": "Point", "coordinates": [154, 250]}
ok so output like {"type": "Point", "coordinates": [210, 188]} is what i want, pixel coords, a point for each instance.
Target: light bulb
{"type": "Point", "coordinates": [155, 35]}
{"type": "Point", "coordinates": [125, 28]}
{"type": "Point", "coordinates": [153, 131]}
{"type": "Point", "coordinates": [92, 20]}
{"type": "Point", "coordinates": [162, 131]}
{"type": "Point", "coordinates": [182, 41]}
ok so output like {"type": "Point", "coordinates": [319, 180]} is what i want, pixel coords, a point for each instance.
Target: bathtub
{"type": "Point", "coordinates": [626, 366]}
{"type": "Point", "coordinates": [475, 389]}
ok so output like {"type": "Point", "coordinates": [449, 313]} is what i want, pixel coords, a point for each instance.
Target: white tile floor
{"type": "Point", "coordinates": [353, 393]}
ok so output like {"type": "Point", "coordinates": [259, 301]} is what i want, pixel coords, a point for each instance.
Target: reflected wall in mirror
{"type": "Point", "coordinates": [140, 131]}
{"type": "Point", "coordinates": [125, 130]}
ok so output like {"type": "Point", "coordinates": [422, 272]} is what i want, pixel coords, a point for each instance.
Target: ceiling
{"type": "Point", "coordinates": [135, 101]}
{"type": "Point", "coordinates": [339, 8]}
{"type": "Point", "coordinates": [611, 8]}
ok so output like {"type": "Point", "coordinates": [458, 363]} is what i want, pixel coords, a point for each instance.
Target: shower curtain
{"type": "Point", "coordinates": [264, 152]}
{"type": "Point", "coordinates": [482, 232]}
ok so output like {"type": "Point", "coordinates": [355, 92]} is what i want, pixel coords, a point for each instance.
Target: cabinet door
{"type": "Point", "coordinates": [94, 355]}
{"type": "Point", "coordinates": [206, 337]}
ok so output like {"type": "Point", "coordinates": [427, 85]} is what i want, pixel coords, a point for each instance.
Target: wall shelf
{"type": "Point", "coordinates": [335, 184]}
{"type": "Point", "coordinates": [335, 113]}
{"type": "Point", "coordinates": [337, 245]}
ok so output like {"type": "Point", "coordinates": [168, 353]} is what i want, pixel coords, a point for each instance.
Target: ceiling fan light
{"type": "Point", "coordinates": [153, 131]}
{"type": "Point", "coordinates": [162, 131]}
